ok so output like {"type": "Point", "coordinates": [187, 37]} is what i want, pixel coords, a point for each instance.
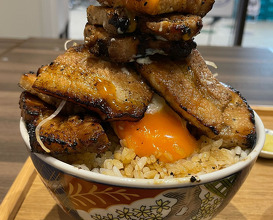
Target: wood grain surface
{"type": "Point", "coordinates": [247, 69]}
{"type": "Point", "coordinates": [17, 57]}
{"type": "Point", "coordinates": [18, 191]}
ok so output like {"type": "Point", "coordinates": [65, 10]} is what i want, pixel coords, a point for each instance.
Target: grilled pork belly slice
{"type": "Point", "coordinates": [62, 134]}
{"type": "Point", "coordinates": [116, 21]}
{"type": "Point", "coordinates": [191, 90]}
{"type": "Point", "coordinates": [155, 7]}
{"type": "Point", "coordinates": [172, 27]}
{"type": "Point", "coordinates": [117, 49]}
{"type": "Point", "coordinates": [173, 49]}
{"type": "Point", "coordinates": [115, 92]}
{"type": "Point", "coordinates": [128, 48]}
{"type": "Point", "coordinates": [26, 82]}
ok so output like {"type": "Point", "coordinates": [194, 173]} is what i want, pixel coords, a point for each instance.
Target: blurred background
{"type": "Point", "coordinates": [225, 25]}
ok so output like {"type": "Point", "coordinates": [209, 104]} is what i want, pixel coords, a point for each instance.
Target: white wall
{"type": "Point", "coordinates": [33, 18]}
{"type": "Point", "coordinates": [222, 8]}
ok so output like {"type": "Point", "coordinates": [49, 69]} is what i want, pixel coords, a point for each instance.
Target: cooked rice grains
{"type": "Point", "coordinates": [123, 162]}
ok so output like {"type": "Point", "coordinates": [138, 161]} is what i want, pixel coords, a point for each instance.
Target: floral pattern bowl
{"type": "Point", "coordinates": [88, 195]}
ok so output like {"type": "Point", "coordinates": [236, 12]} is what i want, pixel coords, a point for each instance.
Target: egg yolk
{"type": "Point", "coordinates": [149, 7]}
{"type": "Point", "coordinates": [161, 133]}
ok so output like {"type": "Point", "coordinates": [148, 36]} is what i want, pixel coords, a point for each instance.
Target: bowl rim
{"type": "Point", "coordinates": [151, 183]}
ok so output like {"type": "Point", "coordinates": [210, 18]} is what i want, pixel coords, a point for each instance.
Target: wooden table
{"type": "Point", "coordinates": [247, 69]}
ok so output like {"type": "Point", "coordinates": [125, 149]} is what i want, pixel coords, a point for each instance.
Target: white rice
{"type": "Point", "coordinates": [123, 162]}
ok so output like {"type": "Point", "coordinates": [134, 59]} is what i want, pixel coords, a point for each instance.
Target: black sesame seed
{"type": "Point", "coordinates": [193, 179]}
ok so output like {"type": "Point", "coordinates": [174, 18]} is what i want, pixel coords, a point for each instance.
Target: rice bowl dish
{"type": "Point", "coordinates": [73, 187]}
{"type": "Point", "coordinates": [132, 123]}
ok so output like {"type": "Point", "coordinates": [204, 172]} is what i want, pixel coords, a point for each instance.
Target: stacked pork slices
{"type": "Point", "coordinates": [126, 30]}
{"type": "Point", "coordinates": [132, 50]}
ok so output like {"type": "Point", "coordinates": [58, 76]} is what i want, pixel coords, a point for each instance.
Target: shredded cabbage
{"type": "Point", "coordinates": [210, 63]}
{"type": "Point", "coordinates": [65, 44]}
{"type": "Point", "coordinates": [37, 130]}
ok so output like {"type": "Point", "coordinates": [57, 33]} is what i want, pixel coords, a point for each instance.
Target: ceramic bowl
{"type": "Point", "coordinates": [88, 195]}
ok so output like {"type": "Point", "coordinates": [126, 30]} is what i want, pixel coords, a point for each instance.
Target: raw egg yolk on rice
{"type": "Point", "coordinates": [160, 132]}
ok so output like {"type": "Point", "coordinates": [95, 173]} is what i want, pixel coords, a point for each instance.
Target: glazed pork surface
{"type": "Point", "coordinates": [26, 82]}
{"type": "Point", "coordinates": [117, 49]}
{"type": "Point", "coordinates": [118, 21]}
{"type": "Point", "coordinates": [115, 21]}
{"type": "Point", "coordinates": [129, 48]}
{"type": "Point", "coordinates": [115, 92]}
{"type": "Point", "coordinates": [172, 27]}
{"type": "Point", "coordinates": [155, 7]}
{"type": "Point", "coordinates": [191, 90]}
{"type": "Point", "coordinates": [62, 134]}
